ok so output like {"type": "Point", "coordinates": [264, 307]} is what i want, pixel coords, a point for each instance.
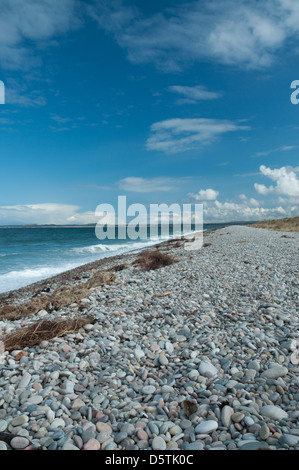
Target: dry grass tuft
{"type": "Point", "coordinates": [149, 260]}
{"type": "Point", "coordinates": [61, 297]}
{"type": "Point", "coordinates": [42, 330]}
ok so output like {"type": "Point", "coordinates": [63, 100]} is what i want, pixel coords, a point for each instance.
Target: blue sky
{"type": "Point", "coordinates": [162, 101]}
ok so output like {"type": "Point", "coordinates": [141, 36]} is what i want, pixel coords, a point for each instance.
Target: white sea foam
{"type": "Point", "coordinates": [16, 279]}
{"type": "Point", "coordinates": [101, 248]}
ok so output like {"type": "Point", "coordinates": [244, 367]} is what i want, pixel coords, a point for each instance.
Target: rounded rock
{"type": "Point", "coordinates": [3, 425]}
{"type": "Point", "coordinates": [206, 427]}
{"type": "Point", "coordinates": [273, 412]}
{"type": "Point", "coordinates": [92, 444]}
{"type": "Point", "coordinates": [274, 372]}
{"type": "Point", "coordinates": [148, 389]}
{"type": "Point", "coordinates": [289, 440]}
{"type": "Point", "coordinates": [158, 443]}
{"type": "Point", "coordinates": [19, 443]}
{"type": "Point", "coordinates": [19, 420]}
{"type": "Point", "coordinates": [207, 369]}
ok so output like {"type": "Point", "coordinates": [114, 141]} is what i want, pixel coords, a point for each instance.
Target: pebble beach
{"type": "Point", "coordinates": [202, 354]}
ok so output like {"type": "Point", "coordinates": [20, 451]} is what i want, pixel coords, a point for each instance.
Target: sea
{"type": "Point", "coordinates": [31, 254]}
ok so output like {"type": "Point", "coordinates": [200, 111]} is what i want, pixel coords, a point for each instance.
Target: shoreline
{"type": "Point", "coordinates": [197, 355]}
{"type": "Point", "coordinates": [83, 271]}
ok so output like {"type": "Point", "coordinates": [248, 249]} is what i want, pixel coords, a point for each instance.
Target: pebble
{"type": "Point", "coordinates": [206, 427]}
{"type": "Point", "coordinates": [19, 420]}
{"type": "Point", "coordinates": [3, 445]}
{"type": "Point", "coordinates": [19, 443]}
{"type": "Point", "coordinates": [148, 389]}
{"type": "Point", "coordinates": [289, 440]}
{"type": "Point", "coordinates": [70, 446]}
{"type": "Point", "coordinates": [194, 446]}
{"type": "Point", "coordinates": [275, 372]}
{"type": "Point", "coordinates": [100, 426]}
{"type": "Point", "coordinates": [158, 443]}
{"type": "Point", "coordinates": [207, 369]}
{"type": "Point", "coordinates": [142, 435]}
{"type": "Point", "coordinates": [25, 380]}
{"type": "Point", "coordinates": [226, 415]}
{"type": "Point", "coordinates": [237, 417]}
{"type": "Point", "coordinates": [3, 425]}
{"type": "Point", "coordinates": [264, 432]}
{"type": "Point", "coordinates": [273, 412]}
{"type": "Point", "coordinates": [163, 360]}
{"type": "Point", "coordinates": [92, 444]}
{"type": "Point", "coordinates": [251, 445]}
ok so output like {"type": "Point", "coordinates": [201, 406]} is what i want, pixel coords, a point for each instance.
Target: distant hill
{"type": "Point", "coordinates": [290, 224]}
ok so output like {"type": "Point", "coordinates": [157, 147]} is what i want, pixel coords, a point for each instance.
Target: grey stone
{"type": "Point", "coordinates": [19, 443]}
{"type": "Point", "coordinates": [251, 445]}
{"type": "Point", "coordinates": [194, 446]}
{"type": "Point", "coordinates": [289, 440]}
{"type": "Point", "coordinates": [19, 420]}
{"type": "Point", "coordinates": [3, 425]}
{"type": "Point", "coordinates": [207, 369]}
{"type": "Point", "coordinates": [120, 436]}
{"type": "Point", "coordinates": [205, 427]}
{"type": "Point", "coordinates": [226, 415]}
{"type": "Point", "coordinates": [158, 443]}
{"type": "Point", "coordinates": [274, 372]}
{"type": "Point", "coordinates": [264, 432]}
{"type": "Point", "coordinates": [148, 389]}
{"type": "Point", "coordinates": [273, 412]}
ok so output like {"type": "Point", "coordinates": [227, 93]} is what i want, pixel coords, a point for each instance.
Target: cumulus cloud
{"type": "Point", "coordinates": [241, 208]}
{"type": "Point", "coordinates": [179, 135]}
{"type": "Point", "coordinates": [249, 209]}
{"type": "Point", "coordinates": [228, 211]}
{"type": "Point", "coordinates": [241, 33]}
{"type": "Point", "coordinates": [287, 183]}
{"type": "Point", "coordinates": [205, 195]}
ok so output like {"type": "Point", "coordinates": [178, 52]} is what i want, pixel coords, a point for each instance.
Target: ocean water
{"type": "Point", "coordinates": [28, 255]}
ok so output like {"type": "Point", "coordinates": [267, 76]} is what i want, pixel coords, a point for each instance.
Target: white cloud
{"type": "Point", "coordinates": [247, 210]}
{"type": "Point", "coordinates": [59, 119]}
{"type": "Point", "coordinates": [178, 135]}
{"type": "Point", "coordinates": [251, 201]}
{"type": "Point", "coordinates": [246, 34]}
{"type": "Point", "coordinates": [205, 195]}
{"type": "Point", "coordinates": [46, 213]}
{"type": "Point", "coordinates": [283, 148]}
{"type": "Point", "coordinates": [243, 208]}
{"type": "Point", "coordinates": [194, 94]}
{"type": "Point", "coordinates": [32, 21]}
{"type": "Point", "coordinates": [287, 183]}
{"type": "Point", "coordinates": [150, 185]}
{"type": "Point", "coordinates": [17, 93]}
